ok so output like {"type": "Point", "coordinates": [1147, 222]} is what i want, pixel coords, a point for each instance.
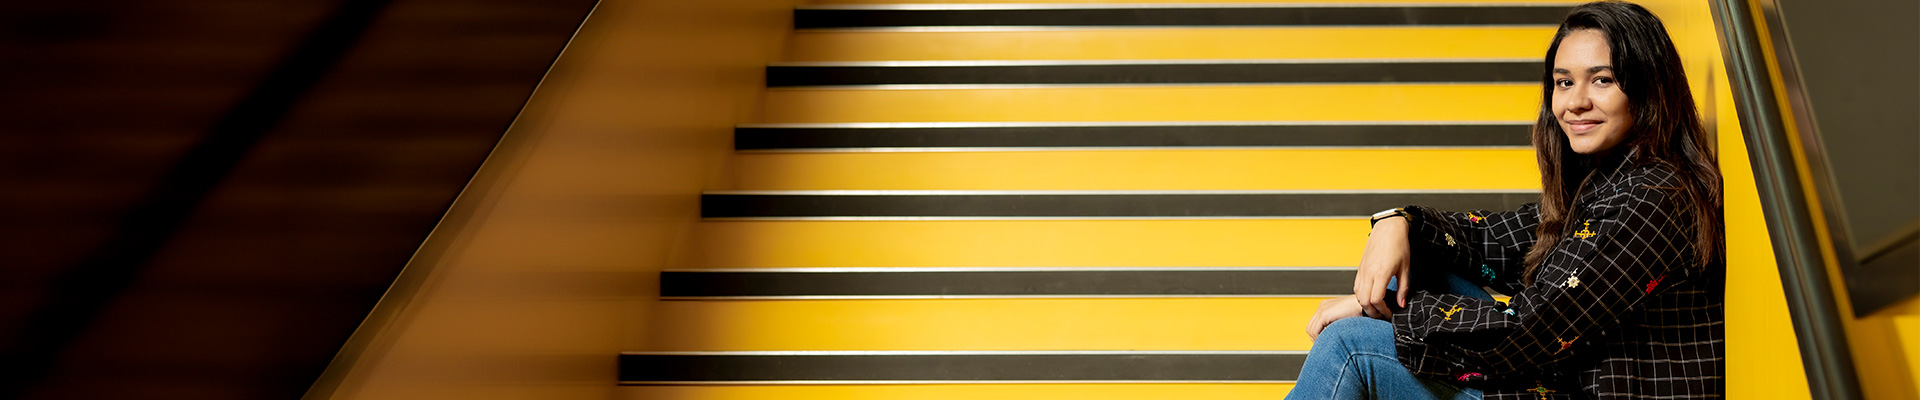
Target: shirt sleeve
{"type": "Point", "coordinates": [1612, 260]}
{"type": "Point", "coordinates": [1487, 248]}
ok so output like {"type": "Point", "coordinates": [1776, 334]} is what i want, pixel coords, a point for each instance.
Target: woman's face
{"type": "Point", "coordinates": [1586, 99]}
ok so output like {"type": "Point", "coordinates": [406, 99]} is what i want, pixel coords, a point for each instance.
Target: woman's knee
{"type": "Point", "coordinates": [1358, 334]}
{"type": "Point", "coordinates": [1356, 326]}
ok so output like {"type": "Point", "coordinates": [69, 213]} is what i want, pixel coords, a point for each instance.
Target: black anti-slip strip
{"type": "Point", "coordinates": [1199, 16]}
{"type": "Point", "coordinates": [1005, 283]}
{"type": "Point", "coordinates": [1096, 205]}
{"type": "Point", "coordinates": [1521, 71]}
{"type": "Point", "coordinates": [671, 368]}
{"type": "Point", "coordinates": [788, 138]}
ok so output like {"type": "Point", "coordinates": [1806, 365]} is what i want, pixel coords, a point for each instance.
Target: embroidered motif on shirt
{"type": "Point", "coordinates": [1541, 390]}
{"type": "Point", "coordinates": [1463, 377]}
{"type": "Point", "coordinates": [1449, 239]}
{"type": "Point", "coordinates": [1475, 218]}
{"type": "Point", "coordinates": [1584, 231]}
{"type": "Point", "coordinates": [1487, 272]}
{"type": "Point", "coordinates": [1508, 311]}
{"type": "Point", "coordinates": [1573, 282]}
{"type": "Point", "coordinates": [1450, 312]}
{"type": "Point", "coordinates": [1656, 282]}
{"type": "Point", "coordinates": [1645, 239]}
{"type": "Point", "coordinates": [1565, 344]}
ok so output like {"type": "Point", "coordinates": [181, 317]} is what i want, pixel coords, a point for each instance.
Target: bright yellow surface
{"type": "Point", "coordinates": [1906, 325]}
{"type": "Point", "coordinates": [1304, 169]}
{"type": "Point", "coordinates": [1137, 391]}
{"type": "Point", "coordinates": [755, 244]}
{"type": "Point", "coordinates": [1409, 102]}
{"type": "Point", "coordinates": [1763, 357]}
{"type": "Point", "coordinates": [985, 324]}
{"type": "Point", "coordinates": [823, 2]}
{"type": "Point", "coordinates": [1528, 42]}
{"type": "Point", "coordinates": [542, 271]}
{"type": "Point", "coordinates": [1906, 329]}
{"type": "Point", "coordinates": [1891, 339]}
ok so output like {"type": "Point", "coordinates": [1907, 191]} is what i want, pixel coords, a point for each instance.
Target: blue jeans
{"type": "Point", "coordinates": [1354, 359]}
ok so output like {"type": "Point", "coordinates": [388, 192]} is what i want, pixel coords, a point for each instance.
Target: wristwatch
{"type": "Point", "coordinates": [1389, 213]}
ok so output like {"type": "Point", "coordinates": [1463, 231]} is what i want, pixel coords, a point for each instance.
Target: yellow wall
{"type": "Point", "coordinates": [1885, 346]}
{"type": "Point", "coordinates": [546, 268]}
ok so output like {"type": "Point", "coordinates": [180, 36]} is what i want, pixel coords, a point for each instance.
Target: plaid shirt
{"type": "Point", "coordinates": [1622, 308]}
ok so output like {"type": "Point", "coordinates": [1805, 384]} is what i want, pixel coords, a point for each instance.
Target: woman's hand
{"type": "Point", "coordinates": [1331, 310]}
{"type": "Point", "coordinates": [1386, 257]}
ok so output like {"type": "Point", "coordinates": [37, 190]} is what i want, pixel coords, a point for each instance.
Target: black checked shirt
{"type": "Point", "coordinates": [1621, 309]}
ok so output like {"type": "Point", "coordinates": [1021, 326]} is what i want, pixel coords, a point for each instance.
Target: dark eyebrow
{"type": "Point", "coordinates": [1597, 68]}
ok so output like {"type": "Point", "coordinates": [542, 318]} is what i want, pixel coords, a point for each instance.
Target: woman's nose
{"type": "Point", "coordinates": [1576, 99]}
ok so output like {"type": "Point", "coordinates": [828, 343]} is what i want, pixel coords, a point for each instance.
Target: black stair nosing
{"type": "Point", "coordinates": [810, 18]}
{"type": "Point", "coordinates": [1301, 135]}
{"type": "Point", "coordinates": [1009, 283]}
{"type": "Point", "coordinates": [983, 367]}
{"type": "Point", "coordinates": [1160, 73]}
{"type": "Point", "coordinates": [1096, 205]}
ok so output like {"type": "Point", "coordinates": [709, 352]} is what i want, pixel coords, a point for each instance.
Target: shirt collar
{"type": "Point", "coordinates": [1613, 164]}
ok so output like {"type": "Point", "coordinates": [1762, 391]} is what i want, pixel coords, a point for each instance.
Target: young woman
{"type": "Point", "coordinates": [1615, 275]}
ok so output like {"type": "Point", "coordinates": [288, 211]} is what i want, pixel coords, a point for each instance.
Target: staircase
{"type": "Point", "coordinates": [1080, 201]}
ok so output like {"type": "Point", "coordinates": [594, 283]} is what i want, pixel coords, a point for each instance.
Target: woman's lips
{"type": "Point", "coordinates": [1582, 125]}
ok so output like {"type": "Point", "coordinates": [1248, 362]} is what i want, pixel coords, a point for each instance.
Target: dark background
{"type": "Point", "coordinates": [1859, 71]}
{"type": "Point", "coordinates": [202, 199]}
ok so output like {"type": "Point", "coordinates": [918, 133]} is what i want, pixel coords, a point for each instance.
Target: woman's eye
{"type": "Point", "coordinates": [1603, 80]}
{"type": "Point", "coordinates": [1563, 83]}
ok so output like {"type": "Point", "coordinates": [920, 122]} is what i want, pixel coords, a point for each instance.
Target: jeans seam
{"type": "Point", "coordinates": [1345, 369]}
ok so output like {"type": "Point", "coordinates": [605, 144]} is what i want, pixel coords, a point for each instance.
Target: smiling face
{"type": "Point", "coordinates": [1587, 99]}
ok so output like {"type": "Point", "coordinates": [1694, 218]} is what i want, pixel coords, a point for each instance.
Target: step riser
{"type": "Point", "coordinates": [958, 368]}
{"type": "Point", "coordinates": [1155, 3]}
{"type": "Point", "coordinates": [1386, 103]}
{"type": "Point", "coordinates": [692, 285]}
{"type": "Point", "coordinates": [1481, 72]}
{"type": "Point", "coordinates": [1129, 169]}
{"type": "Point", "coordinates": [1075, 391]}
{"type": "Point", "coordinates": [1096, 243]}
{"type": "Point", "coordinates": [1412, 43]}
{"type": "Point", "coordinates": [1044, 137]}
{"type": "Point", "coordinates": [1171, 324]}
{"type": "Point", "coordinates": [1177, 16]}
{"type": "Point", "coordinates": [961, 204]}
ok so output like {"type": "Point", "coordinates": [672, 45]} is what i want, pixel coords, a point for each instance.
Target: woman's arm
{"type": "Point", "coordinates": [1616, 257]}
{"type": "Point", "coordinates": [1333, 309]}
{"type": "Point", "coordinates": [1487, 248]}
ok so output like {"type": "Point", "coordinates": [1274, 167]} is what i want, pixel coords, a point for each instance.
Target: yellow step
{"type": "Point", "coordinates": [1099, 391]}
{"type": "Point", "coordinates": [1251, 169]}
{"type": "Point", "coordinates": [1378, 42]}
{"type": "Point", "coordinates": [983, 324]}
{"type": "Point", "coordinates": [1436, 2]}
{"type": "Point", "coordinates": [1372, 102]}
{"type": "Point", "coordinates": [990, 243]}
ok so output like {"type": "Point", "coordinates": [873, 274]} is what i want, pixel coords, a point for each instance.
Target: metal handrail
{"type": "Point", "coordinates": [1810, 299]}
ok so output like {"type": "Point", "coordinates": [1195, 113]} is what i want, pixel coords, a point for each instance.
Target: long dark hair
{"type": "Point", "coordinates": [1666, 128]}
